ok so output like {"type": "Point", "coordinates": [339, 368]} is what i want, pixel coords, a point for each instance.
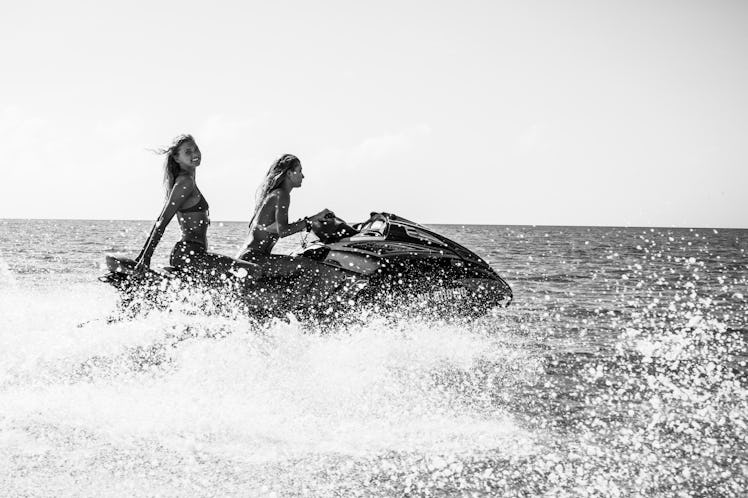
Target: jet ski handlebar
{"type": "Point", "coordinates": [331, 229]}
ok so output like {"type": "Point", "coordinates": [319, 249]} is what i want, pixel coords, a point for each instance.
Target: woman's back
{"type": "Point", "coordinates": [263, 229]}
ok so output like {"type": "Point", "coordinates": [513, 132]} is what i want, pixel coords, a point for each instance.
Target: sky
{"type": "Point", "coordinates": [614, 113]}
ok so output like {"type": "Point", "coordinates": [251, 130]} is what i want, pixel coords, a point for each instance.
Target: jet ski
{"type": "Point", "coordinates": [386, 263]}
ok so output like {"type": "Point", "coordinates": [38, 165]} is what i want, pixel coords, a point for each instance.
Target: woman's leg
{"type": "Point", "coordinates": [305, 281]}
{"type": "Point", "coordinates": [217, 264]}
{"type": "Point", "coordinates": [281, 265]}
{"type": "Point", "coordinates": [192, 257]}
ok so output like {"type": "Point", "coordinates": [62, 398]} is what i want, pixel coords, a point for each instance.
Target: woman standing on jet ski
{"type": "Point", "coordinates": [184, 199]}
{"type": "Point", "coordinates": [270, 221]}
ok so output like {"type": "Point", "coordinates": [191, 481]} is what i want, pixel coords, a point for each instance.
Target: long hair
{"type": "Point", "coordinates": [171, 168]}
{"type": "Point", "coordinates": [273, 179]}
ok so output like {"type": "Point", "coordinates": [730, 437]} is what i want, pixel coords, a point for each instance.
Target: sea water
{"type": "Point", "coordinates": [618, 370]}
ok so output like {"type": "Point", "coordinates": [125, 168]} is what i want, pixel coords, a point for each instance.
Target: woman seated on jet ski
{"type": "Point", "coordinates": [270, 222]}
{"type": "Point", "coordinates": [184, 199]}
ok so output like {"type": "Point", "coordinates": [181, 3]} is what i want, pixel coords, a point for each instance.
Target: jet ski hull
{"type": "Point", "coordinates": [386, 263]}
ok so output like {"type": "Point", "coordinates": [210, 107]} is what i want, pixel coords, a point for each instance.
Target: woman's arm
{"type": "Point", "coordinates": [182, 189]}
{"type": "Point", "coordinates": [282, 200]}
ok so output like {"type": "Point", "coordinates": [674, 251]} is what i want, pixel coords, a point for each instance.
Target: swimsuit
{"type": "Point", "coordinates": [202, 205]}
{"type": "Point", "coordinates": [188, 253]}
{"type": "Point", "coordinates": [191, 252]}
{"type": "Point", "coordinates": [264, 239]}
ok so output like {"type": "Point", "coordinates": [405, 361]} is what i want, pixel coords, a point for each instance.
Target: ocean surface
{"type": "Point", "coordinates": [619, 370]}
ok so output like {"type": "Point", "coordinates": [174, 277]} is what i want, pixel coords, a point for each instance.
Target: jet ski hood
{"type": "Point", "coordinates": [396, 229]}
{"type": "Point", "coordinates": [402, 257]}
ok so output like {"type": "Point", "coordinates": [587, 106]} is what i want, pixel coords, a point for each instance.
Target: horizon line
{"type": "Point", "coordinates": [540, 225]}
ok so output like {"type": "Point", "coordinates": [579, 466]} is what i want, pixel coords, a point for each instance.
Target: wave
{"type": "Point", "coordinates": [6, 274]}
{"type": "Point", "coordinates": [171, 391]}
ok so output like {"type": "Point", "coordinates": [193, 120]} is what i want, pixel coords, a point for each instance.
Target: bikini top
{"type": "Point", "coordinates": [202, 205]}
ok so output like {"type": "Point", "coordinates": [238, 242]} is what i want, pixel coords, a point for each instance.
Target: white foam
{"type": "Point", "coordinates": [185, 384]}
{"type": "Point", "coordinates": [7, 278]}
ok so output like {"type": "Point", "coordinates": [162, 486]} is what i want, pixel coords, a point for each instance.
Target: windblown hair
{"type": "Point", "coordinates": [274, 179]}
{"type": "Point", "coordinates": [171, 168]}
